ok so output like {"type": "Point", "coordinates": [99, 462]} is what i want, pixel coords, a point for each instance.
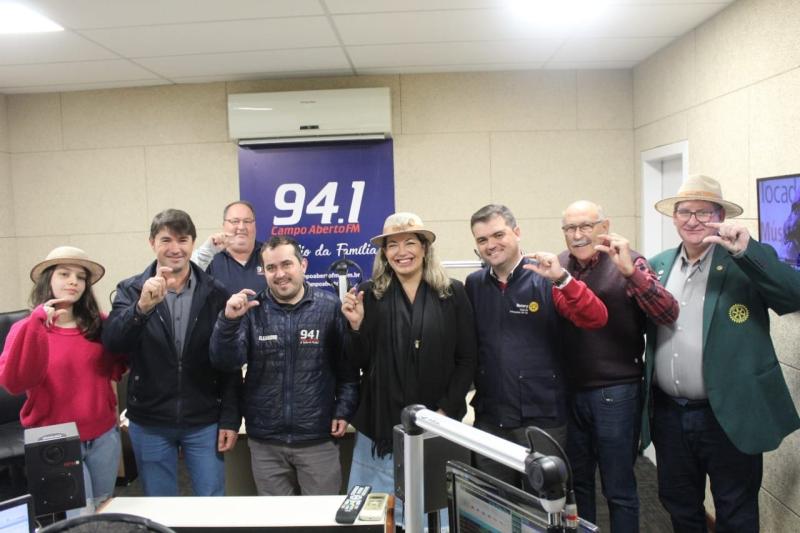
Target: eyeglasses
{"type": "Point", "coordinates": [237, 221]}
{"type": "Point", "coordinates": [584, 227]}
{"type": "Point", "coordinates": [702, 215]}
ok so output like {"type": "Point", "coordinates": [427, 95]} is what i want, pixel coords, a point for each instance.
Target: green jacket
{"type": "Point", "coordinates": [743, 377]}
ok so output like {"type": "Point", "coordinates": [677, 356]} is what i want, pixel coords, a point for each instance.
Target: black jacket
{"type": "Point", "coordinates": [297, 380]}
{"type": "Point", "coordinates": [166, 388]}
{"type": "Point", "coordinates": [437, 369]}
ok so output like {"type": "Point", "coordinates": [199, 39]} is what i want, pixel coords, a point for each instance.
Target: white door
{"type": "Point", "coordinates": [663, 171]}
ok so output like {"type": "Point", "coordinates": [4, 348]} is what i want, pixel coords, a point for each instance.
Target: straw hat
{"type": "Point", "coordinates": [699, 187]}
{"type": "Point", "coordinates": [402, 223]}
{"type": "Point", "coordinates": [68, 255]}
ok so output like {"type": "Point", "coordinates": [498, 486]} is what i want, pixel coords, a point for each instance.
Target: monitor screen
{"type": "Point", "coordinates": [779, 216]}
{"type": "Point", "coordinates": [481, 503]}
{"type": "Point", "coordinates": [16, 515]}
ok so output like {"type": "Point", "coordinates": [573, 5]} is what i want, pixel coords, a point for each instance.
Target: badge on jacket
{"type": "Point", "coordinates": [738, 313]}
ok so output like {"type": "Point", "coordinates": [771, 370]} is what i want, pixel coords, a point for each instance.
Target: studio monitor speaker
{"type": "Point", "coordinates": [55, 468]}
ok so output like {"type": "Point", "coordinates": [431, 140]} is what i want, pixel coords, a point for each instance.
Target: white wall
{"type": "Point", "coordinates": [92, 168]}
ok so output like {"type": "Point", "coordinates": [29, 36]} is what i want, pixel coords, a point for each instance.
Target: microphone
{"type": "Point", "coordinates": [340, 268]}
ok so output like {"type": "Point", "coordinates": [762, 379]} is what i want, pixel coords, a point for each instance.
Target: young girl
{"type": "Point", "coordinates": [56, 357]}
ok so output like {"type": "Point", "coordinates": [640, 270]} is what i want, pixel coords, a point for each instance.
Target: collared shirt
{"type": "Point", "coordinates": [504, 284]}
{"type": "Point", "coordinates": [679, 346]}
{"type": "Point", "coordinates": [180, 306]}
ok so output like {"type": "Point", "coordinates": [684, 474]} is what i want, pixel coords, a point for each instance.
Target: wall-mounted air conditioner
{"type": "Point", "coordinates": [305, 116]}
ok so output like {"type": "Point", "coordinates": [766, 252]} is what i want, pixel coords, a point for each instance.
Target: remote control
{"type": "Point", "coordinates": [350, 507]}
{"type": "Point", "coordinates": [375, 508]}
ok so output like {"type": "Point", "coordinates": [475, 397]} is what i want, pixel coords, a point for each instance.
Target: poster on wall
{"type": "Point", "coordinates": [779, 216]}
{"type": "Point", "coordinates": [330, 197]}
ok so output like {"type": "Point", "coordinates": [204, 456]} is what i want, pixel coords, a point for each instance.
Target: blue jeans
{"type": "Point", "coordinates": [690, 444]}
{"type": "Point", "coordinates": [100, 465]}
{"type": "Point", "coordinates": [603, 431]}
{"type": "Point", "coordinates": [156, 451]}
{"type": "Point", "coordinates": [374, 471]}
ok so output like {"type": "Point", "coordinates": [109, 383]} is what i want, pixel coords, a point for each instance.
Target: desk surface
{"type": "Point", "coordinates": [234, 511]}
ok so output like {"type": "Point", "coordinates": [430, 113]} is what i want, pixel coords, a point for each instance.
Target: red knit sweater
{"type": "Point", "coordinates": [67, 378]}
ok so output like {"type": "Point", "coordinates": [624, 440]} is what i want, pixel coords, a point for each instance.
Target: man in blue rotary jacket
{"type": "Point", "coordinates": [299, 393]}
{"type": "Point", "coordinates": [715, 395]}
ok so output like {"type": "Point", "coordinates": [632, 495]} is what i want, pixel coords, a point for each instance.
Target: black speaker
{"type": "Point", "coordinates": [55, 469]}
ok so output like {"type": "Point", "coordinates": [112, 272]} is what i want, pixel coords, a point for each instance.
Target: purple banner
{"type": "Point", "coordinates": [332, 198]}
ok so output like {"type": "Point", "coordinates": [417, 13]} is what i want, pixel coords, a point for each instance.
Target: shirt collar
{"type": "Point", "coordinates": [580, 269]}
{"type": "Point", "coordinates": [189, 282]}
{"type": "Point", "coordinates": [510, 274]}
{"type": "Point", "coordinates": [700, 263]}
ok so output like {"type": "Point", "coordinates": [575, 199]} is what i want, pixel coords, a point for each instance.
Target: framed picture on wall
{"type": "Point", "coordinates": [779, 215]}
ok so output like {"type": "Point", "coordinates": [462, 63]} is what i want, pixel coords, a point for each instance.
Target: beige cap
{"type": "Point", "coordinates": [699, 187]}
{"type": "Point", "coordinates": [69, 255]}
{"type": "Point", "coordinates": [402, 223]}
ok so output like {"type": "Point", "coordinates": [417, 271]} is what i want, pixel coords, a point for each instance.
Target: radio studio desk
{"type": "Point", "coordinates": [242, 514]}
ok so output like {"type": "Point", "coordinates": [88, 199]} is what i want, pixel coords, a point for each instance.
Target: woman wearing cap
{"type": "Point", "coordinates": [56, 357]}
{"type": "Point", "coordinates": [412, 334]}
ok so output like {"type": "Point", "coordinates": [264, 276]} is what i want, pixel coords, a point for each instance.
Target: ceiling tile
{"type": "Point", "coordinates": [434, 26]}
{"type": "Point", "coordinates": [70, 73]}
{"type": "Point", "coordinates": [433, 69]}
{"type": "Point", "coordinates": [49, 48]}
{"type": "Point", "coordinates": [582, 50]}
{"type": "Point", "coordinates": [487, 52]}
{"type": "Point", "coordinates": [278, 75]}
{"type": "Point", "coordinates": [247, 62]}
{"type": "Point", "coordinates": [82, 14]}
{"type": "Point", "coordinates": [652, 20]}
{"type": "Point", "coordinates": [383, 6]}
{"type": "Point", "coordinates": [215, 37]}
{"type": "Point", "coordinates": [69, 87]}
{"type": "Point", "coordinates": [590, 65]}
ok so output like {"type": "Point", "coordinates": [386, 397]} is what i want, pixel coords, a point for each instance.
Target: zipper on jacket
{"type": "Point", "coordinates": [288, 379]}
{"type": "Point", "coordinates": [179, 358]}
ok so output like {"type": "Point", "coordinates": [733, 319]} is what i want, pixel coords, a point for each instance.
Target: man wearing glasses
{"type": "Point", "coordinates": [604, 366]}
{"type": "Point", "coordinates": [231, 256]}
{"type": "Point", "coordinates": [715, 395]}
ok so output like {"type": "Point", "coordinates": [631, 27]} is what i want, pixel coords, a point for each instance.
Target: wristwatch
{"type": "Point", "coordinates": [563, 280]}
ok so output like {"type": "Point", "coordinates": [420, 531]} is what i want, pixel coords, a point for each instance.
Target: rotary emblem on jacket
{"type": "Point", "coordinates": [738, 313]}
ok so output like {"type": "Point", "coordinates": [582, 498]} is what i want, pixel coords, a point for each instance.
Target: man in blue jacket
{"type": "Point", "coordinates": [232, 255]}
{"type": "Point", "coordinates": [519, 301]}
{"type": "Point", "coordinates": [299, 392]}
{"type": "Point", "coordinates": [163, 318]}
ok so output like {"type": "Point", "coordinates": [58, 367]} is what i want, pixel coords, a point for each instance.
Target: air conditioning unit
{"type": "Point", "coordinates": [307, 116]}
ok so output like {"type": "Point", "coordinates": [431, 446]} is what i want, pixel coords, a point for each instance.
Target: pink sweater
{"type": "Point", "coordinates": [67, 377]}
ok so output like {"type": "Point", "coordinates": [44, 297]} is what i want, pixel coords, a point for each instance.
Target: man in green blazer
{"type": "Point", "coordinates": [715, 395]}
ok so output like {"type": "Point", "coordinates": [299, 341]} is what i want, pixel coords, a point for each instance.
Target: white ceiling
{"type": "Point", "coordinates": [126, 43]}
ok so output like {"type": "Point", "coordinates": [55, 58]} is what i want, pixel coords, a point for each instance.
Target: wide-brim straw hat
{"type": "Point", "coordinates": [69, 255]}
{"type": "Point", "coordinates": [402, 223]}
{"type": "Point", "coordinates": [699, 187]}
